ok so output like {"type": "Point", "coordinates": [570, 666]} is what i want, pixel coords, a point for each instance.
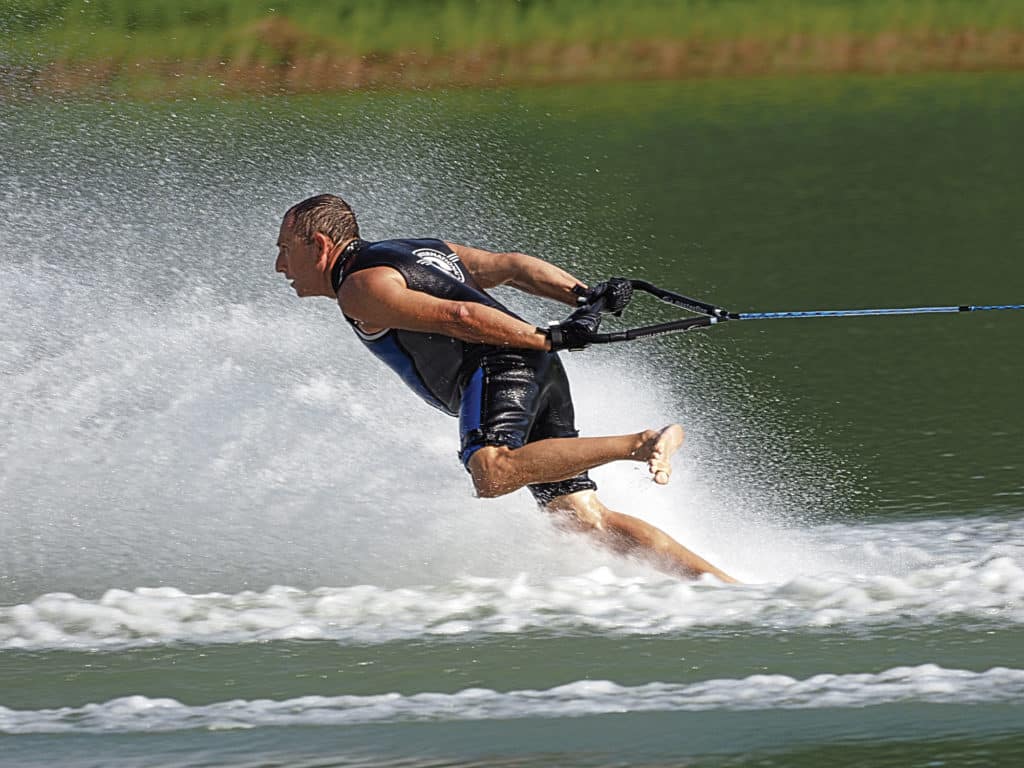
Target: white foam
{"type": "Point", "coordinates": [989, 588]}
{"type": "Point", "coordinates": [927, 683]}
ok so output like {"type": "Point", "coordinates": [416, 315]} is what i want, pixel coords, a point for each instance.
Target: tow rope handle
{"type": "Point", "coordinates": [709, 315]}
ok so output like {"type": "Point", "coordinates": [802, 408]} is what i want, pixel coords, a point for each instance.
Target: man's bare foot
{"type": "Point", "coordinates": [658, 448]}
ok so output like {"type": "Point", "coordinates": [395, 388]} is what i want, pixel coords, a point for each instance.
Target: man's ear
{"type": "Point", "coordinates": [324, 246]}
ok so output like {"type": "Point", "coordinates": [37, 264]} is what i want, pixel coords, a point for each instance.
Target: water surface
{"type": "Point", "coordinates": [231, 538]}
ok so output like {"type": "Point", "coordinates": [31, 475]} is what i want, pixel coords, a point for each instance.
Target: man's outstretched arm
{"type": "Point", "coordinates": [379, 298]}
{"type": "Point", "coordinates": [526, 273]}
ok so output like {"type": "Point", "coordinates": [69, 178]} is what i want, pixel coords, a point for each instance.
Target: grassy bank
{"type": "Point", "coordinates": [175, 46]}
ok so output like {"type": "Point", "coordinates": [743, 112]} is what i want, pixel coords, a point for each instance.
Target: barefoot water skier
{"type": "Point", "coordinates": [421, 306]}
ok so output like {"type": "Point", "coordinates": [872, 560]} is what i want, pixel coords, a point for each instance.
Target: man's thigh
{"type": "Point", "coordinates": [501, 401]}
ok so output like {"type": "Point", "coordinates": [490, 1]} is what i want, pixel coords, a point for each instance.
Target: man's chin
{"type": "Point", "coordinates": [304, 293]}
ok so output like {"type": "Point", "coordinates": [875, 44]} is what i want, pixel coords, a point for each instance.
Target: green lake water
{"type": "Point", "coordinates": [230, 538]}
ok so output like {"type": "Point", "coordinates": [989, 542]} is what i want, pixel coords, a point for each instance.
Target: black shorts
{"type": "Point", "coordinates": [518, 397]}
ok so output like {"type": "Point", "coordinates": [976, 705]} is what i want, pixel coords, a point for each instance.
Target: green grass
{"type": "Point", "coordinates": [236, 30]}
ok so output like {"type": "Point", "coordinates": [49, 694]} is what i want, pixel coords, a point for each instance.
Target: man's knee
{"type": "Point", "coordinates": [492, 471]}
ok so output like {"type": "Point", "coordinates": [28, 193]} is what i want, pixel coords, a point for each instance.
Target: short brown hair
{"type": "Point", "coordinates": [328, 214]}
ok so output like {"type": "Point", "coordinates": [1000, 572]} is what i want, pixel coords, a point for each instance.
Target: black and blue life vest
{"type": "Point", "coordinates": [435, 366]}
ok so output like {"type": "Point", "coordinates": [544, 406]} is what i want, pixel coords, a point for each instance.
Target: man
{"type": "Point", "coordinates": [422, 307]}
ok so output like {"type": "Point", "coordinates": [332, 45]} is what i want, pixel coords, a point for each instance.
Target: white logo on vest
{"type": "Point", "coordinates": [446, 262]}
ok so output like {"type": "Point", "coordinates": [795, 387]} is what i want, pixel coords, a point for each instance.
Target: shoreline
{"type": "Point", "coordinates": [295, 73]}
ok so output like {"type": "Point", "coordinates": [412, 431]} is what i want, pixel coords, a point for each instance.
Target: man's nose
{"type": "Point", "coordinates": [279, 265]}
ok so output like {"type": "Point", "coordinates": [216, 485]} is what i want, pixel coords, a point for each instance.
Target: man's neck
{"type": "Point", "coordinates": [337, 253]}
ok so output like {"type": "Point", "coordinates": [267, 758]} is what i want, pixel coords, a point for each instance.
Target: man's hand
{"type": "Point", "coordinates": [613, 295]}
{"type": "Point", "coordinates": [575, 332]}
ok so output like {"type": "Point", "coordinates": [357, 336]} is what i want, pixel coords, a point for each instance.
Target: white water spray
{"type": "Point", "coordinates": [171, 415]}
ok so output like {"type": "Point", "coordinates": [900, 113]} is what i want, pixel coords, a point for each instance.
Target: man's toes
{"type": "Point", "coordinates": [661, 470]}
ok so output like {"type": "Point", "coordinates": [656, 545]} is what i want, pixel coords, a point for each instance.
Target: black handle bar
{"type": "Point", "coordinates": [710, 315]}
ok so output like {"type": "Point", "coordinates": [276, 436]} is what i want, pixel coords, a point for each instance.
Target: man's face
{"type": "Point", "coordinates": [298, 260]}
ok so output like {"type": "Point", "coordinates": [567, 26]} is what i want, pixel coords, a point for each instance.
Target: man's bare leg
{"type": "Point", "coordinates": [498, 470]}
{"type": "Point", "coordinates": [628, 535]}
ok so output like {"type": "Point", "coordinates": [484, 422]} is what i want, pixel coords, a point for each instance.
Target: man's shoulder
{"type": "Point", "coordinates": [406, 245]}
{"type": "Point", "coordinates": [409, 256]}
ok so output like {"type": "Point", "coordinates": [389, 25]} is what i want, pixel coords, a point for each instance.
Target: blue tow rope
{"type": "Point", "coordinates": [866, 312]}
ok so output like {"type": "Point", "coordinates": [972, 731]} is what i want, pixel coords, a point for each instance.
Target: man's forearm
{"type": "Point", "coordinates": [526, 273]}
{"type": "Point", "coordinates": [480, 324]}
{"type": "Point", "coordinates": [540, 278]}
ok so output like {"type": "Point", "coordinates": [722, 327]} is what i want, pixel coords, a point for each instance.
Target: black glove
{"type": "Point", "coordinates": [576, 331]}
{"type": "Point", "coordinates": [613, 294]}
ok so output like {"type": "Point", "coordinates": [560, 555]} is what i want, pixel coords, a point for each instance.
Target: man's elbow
{"type": "Point", "coordinates": [515, 262]}
{"type": "Point", "coordinates": [461, 319]}
{"type": "Point", "coordinates": [460, 312]}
